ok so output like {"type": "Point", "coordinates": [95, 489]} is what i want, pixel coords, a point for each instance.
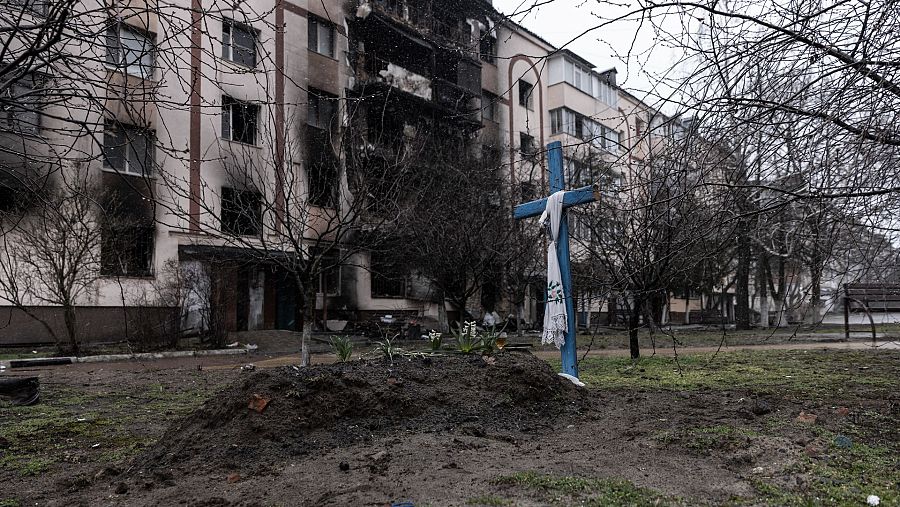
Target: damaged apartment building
{"type": "Point", "coordinates": [218, 131]}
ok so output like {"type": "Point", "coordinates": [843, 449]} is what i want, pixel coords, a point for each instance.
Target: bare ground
{"type": "Point", "coordinates": [720, 432]}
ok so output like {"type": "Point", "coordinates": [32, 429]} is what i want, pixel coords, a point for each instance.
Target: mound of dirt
{"type": "Point", "coordinates": [273, 415]}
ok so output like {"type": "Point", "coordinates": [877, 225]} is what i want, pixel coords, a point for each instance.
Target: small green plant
{"type": "Point", "coordinates": [342, 347]}
{"type": "Point", "coordinates": [489, 339]}
{"type": "Point", "coordinates": [387, 349]}
{"type": "Point", "coordinates": [436, 339]}
{"type": "Point", "coordinates": [467, 339]}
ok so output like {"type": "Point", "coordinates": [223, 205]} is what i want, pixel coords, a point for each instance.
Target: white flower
{"type": "Point", "coordinates": [873, 500]}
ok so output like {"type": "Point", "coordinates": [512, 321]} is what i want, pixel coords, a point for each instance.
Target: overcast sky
{"type": "Point", "coordinates": [635, 54]}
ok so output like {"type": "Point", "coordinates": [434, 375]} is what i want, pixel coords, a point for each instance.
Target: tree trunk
{"type": "Point", "coordinates": [520, 318]}
{"type": "Point", "coordinates": [687, 306]}
{"type": "Point", "coordinates": [611, 311]}
{"type": "Point", "coordinates": [306, 319]}
{"type": "Point", "coordinates": [762, 285]}
{"type": "Point", "coordinates": [443, 323]}
{"type": "Point", "coordinates": [71, 332]}
{"type": "Point", "coordinates": [742, 285]}
{"type": "Point", "coordinates": [634, 323]}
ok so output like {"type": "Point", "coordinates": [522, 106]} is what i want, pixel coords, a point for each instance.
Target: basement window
{"type": "Point", "coordinates": [239, 120]}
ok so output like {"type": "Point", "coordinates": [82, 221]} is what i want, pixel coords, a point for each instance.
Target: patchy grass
{"type": "Point", "coordinates": [73, 425]}
{"type": "Point", "coordinates": [489, 500]}
{"type": "Point", "coordinates": [804, 373]}
{"type": "Point", "coordinates": [9, 502]}
{"type": "Point", "coordinates": [704, 440]}
{"type": "Point", "coordinates": [569, 490]}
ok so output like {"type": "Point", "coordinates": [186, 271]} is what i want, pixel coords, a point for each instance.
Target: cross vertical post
{"type": "Point", "coordinates": [571, 198]}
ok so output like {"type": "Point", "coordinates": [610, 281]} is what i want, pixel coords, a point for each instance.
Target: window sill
{"type": "Point", "coordinates": [329, 57]}
{"type": "Point", "coordinates": [240, 66]}
{"type": "Point", "coordinates": [126, 74]}
{"type": "Point", "coordinates": [129, 277]}
{"type": "Point", "coordinates": [125, 173]}
{"type": "Point", "coordinates": [239, 143]}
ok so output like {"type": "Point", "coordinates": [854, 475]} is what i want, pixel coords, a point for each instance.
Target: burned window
{"type": "Point", "coordinates": [321, 109]}
{"type": "Point", "coordinates": [241, 212]}
{"type": "Point", "coordinates": [239, 120]}
{"type": "Point", "coordinates": [489, 106]}
{"type": "Point", "coordinates": [239, 43]}
{"type": "Point", "coordinates": [389, 278]}
{"type": "Point", "coordinates": [127, 227]}
{"type": "Point", "coordinates": [130, 50]}
{"type": "Point", "coordinates": [321, 168]}
{"type": "Point", "coordinates": [488, 48]}
{"type": "Point", "coordinates": [20, 106]}
{"type": "Point", "coordinates": [321, 36]}
{"type": "Point", "coordinates": [128, 149]}
{"type": "Point", "coordinates": [527, 146]}
{"type": "Point", "coordinates": [526, 92]}
{"type": "Point", "coordinates": [330, 273]}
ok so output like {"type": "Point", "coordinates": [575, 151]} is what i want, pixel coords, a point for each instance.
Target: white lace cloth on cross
{"type": "Point", "coordinates": [555, 317]}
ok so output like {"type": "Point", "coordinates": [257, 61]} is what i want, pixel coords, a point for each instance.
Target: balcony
{"type": "Point", "coordinates": [420, 17]}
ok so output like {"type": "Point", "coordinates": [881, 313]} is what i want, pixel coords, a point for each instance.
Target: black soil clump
{"type": "Point", "coordinates": [307, 410]}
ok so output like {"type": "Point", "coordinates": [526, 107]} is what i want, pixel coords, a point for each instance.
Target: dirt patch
{"type": "Point", "coordinates": [273, 415]}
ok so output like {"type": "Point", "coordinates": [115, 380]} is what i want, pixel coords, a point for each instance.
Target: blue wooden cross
{"type": "Point", "coordinates": [571, 198]}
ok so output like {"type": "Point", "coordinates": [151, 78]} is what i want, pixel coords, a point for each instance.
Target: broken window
{"type": "Point", "coordinates": [526, 92]}
{"type": "Point", "coordinates": [488, 48]}
{"type": "Point", "coordinates": [239, 120]}
{"type": "Point", "coordinates": [330, 273]}
{"type": "Point", "coordinates": [128, 149]}
{"type": "Point", "coordinates": [527, 146]}
{"type": "Point", "coordinates": [388, 278]}
{"type": "Point", "coordinates": [241, 212]}
{"type": "Point", "coordinates": [239, 43]}
{"type": "Point", "coordinates": [321, 109]}
{"type": "Point", "coordinates": [321, 168]}
{"type": "Point", "coordinates": [489, 106]}
{"type": "Point", "coordinates": [127, 227]}
{"type": "Point", "coordinates": [20, 106]}
{"type": "Point", "coordinates": [321, 36]}
{"type": "Point", "coordinates": [130, 50]}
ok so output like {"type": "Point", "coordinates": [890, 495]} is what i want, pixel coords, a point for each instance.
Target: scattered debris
{"type": "Point", "coordinates": [251, 346]}
{"type": "Point", "coordinates": [805, 418]}
{"type": "Point", "coordinates": [258, 403]}
{"type": "Point", "coordinates": [489, 359]}
{"type": "Point", "coordinates": [574, 380]}
{"type": "Point", "coordinates": [232, 345]}
{"type": "Point", "coordinates": [95, 446]}
{"type": "Point", "coordinates": [873, 500]}
{"type": "Point", "coordinates": [842, 411]}
{"type": "Point", "coordinates": [248, 367]}
{"type": "Point", "coordinates": [344, 466]}
{"type": "Point", "coordinates": [232, 478]}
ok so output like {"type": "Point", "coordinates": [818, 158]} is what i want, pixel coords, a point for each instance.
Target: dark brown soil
{"type": "Point", "coordinates": [338, 405]}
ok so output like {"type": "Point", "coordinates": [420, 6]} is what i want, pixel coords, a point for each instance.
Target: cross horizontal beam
{"type": "Point", "coordinates": [583, 195]}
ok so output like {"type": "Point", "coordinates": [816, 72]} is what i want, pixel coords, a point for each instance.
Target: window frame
{"type": "Point", "coordinates": [228, 45]}
{"type": "Point", "coordinates": [13, 116]}
{"type": "Point", "coordinates": [315, 100]}
{"type": "Point", "coordinates": [128, 134]}
{"type": "Point", "coordinates": [30, 5]}
{"type": "Point", "coordinates": [116, 56]}
{"type": "Point", "coordinates": [492, 106]}
{"type": "Point", "coordinates": [228, 116]}
{"type": "Point", "coordinates": [314, 39]}
{"type": "Point", "coordinates": [526, 95]}
{"type": "Point", "coordinates": [230, 220]}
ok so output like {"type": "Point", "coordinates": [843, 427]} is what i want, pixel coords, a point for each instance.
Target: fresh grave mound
{"type": "Point", "coordinates": [273, 415]}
